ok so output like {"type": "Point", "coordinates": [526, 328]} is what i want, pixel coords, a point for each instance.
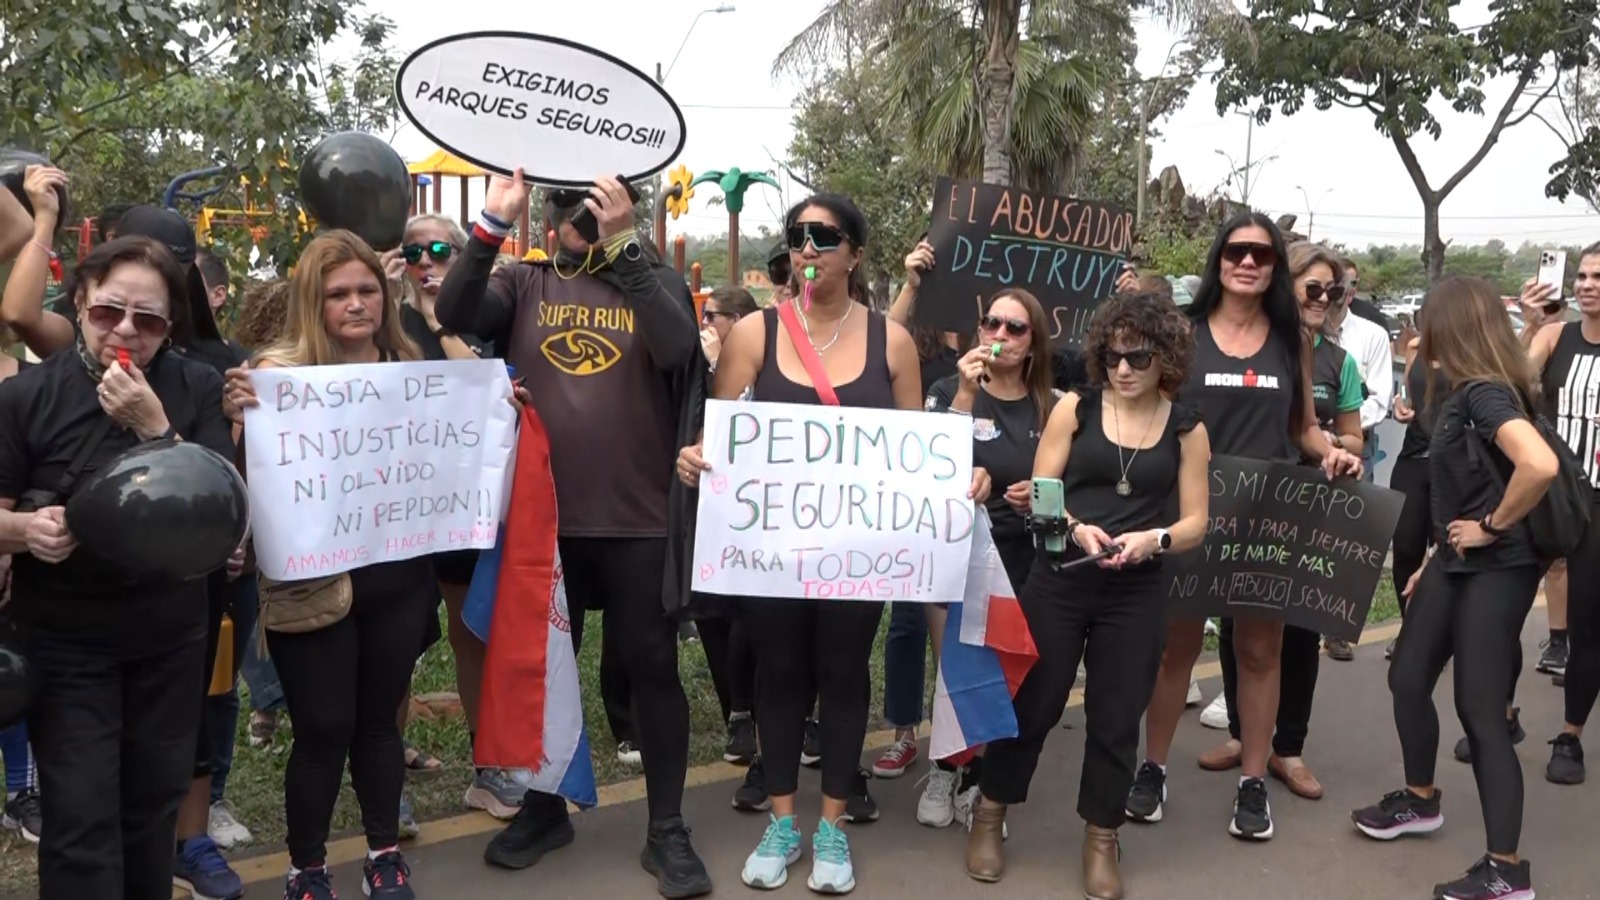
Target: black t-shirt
{"type": "Point", "coordinates": [1246, 402]}
{"type": "Point", "coordinates": [1068, 370]}
{"type": "Point", "coordinates": [1463, 485]}
{"type": "Point", "coordinates": [415, 325]}
{"type": "Point", "coordinates": [1089, 485]}
{"type": "Point", "coordinates": [1005, 435]}
{"type": "Point", "coordinates": [940, 366]}
{"type": "Point", "coordinates": [46, 414]}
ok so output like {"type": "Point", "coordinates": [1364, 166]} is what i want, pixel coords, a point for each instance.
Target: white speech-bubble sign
{"type": "Point", "coordinates": [562, 112]}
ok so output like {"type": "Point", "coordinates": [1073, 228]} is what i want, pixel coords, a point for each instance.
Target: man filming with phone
{"type": "Point", "coordinates": [606, 338]}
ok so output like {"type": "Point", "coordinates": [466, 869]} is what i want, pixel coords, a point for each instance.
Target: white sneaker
{"type": "Point", "coordinates": [1211, 628]}
{"type": "Point", "coordinates": [768, 867]}
{"type": "Point", "coordinates": [831, 871]}
{"type": "Point", "coordinates": [628, 754]}
{"type": "Point", "coordinates": [1216, 715]}
{"type": "Point", "coordinates": [937, 808]}
{"type": "Point", "coordinates": [1195, 697]}
{"type": "Point", "coordinates": [224, 829]}
{"type": "Point", "coordinates": [966, 802]}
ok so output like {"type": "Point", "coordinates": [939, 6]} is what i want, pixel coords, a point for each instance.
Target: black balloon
{"type": "Point", "coordinates": [14, 163]}
{"type": "Point", "coordinates": [163, 511]}
{"type": "Point", "coordinates": [356, 181]}
{"type": "Point", "coordinates": [18, 685]}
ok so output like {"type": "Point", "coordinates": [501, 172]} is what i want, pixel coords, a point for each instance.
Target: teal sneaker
{"type": "Point", "coordinates": [831, 872]}
{"type": "Point", "coordinates": [768, 867]}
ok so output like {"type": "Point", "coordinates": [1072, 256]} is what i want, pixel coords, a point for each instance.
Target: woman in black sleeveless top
{"type": "Point", "coordinates": [1417, 412]}
{"type": "Point", "coordinates": [1123, 453]}
{"type": "Point", "coordinates": [807, 649]}
{"type": "Point", "coordinates": [1251, 382]}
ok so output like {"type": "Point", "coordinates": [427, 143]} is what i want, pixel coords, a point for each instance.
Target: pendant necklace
{"type": "Point", "coordinates": [1124, 487]}
{"type": "Point", "coordinates": [805, 320]}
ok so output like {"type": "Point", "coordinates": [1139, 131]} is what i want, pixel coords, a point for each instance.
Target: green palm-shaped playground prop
{"type": "Point", "coordinates": [733, 184]}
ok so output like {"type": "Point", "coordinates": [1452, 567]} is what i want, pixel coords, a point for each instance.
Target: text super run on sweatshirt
{"type": "Point", "coordinates": [361, 464]}
{"type": "Point", "coordinates": [820, 502]}
{"type": "Point", "coordinates": [560, 111]}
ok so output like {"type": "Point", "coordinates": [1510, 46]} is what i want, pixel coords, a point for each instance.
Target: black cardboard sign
{"type": "Point", "coordinates": [1067, 252]}
{"type": "Point", "coordinates": [1285, 542]}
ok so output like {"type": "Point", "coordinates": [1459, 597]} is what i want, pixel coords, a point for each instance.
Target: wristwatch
{"type": "Point", "coordinates": [631, 251]}
{"type": "Point", "coordinates": [1163, 541]}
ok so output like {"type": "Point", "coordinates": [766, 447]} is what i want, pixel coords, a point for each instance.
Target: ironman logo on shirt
{"type": "Point", "coordinates": [1248, 380]}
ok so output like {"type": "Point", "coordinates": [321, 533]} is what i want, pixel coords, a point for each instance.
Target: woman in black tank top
{"type": "Point", "coordinates": [1123, 453]}
{"type": "Point", "coordinates": [1414, 533]}
{"type": "Point", "coordinates": [815, 650]}
{"type": "Point", "coordinates": [1251, 382]}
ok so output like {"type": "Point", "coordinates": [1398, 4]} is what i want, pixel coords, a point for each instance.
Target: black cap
{"type": "Point", "coordinates": [162, 226]}
{"type": "Point", "coordinates": [780, 250]}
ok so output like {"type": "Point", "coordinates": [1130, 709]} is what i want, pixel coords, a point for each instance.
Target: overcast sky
{"type": "Point", "coordinates": [738, 115]}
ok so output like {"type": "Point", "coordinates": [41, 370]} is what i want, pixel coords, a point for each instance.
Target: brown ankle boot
{"type": "Point", "coordinates": [1102, 879]}
{"type": "Point", "coordinates": [986, 859]}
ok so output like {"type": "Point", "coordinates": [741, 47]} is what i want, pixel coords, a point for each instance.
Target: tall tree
{"type": "Point", "coordinates": [1391, 59]}
{"type": "Point", "coordinates": [1576, 122]}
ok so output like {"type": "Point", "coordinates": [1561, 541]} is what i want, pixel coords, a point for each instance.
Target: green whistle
{"type": "Point", "coordinates": [811, 273]}
{"type": "Point", "coordinates": [994, 350]}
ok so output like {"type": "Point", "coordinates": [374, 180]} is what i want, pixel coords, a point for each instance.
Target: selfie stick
{"type": "Point", "coordinates": [1105, 553]}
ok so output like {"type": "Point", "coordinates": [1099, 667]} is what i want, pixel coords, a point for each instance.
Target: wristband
{"type": "Point", "coordinates": [493, 221]}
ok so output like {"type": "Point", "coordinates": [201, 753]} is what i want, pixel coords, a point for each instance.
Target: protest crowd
{"type": "Point", "coordinates": [1076, 480]}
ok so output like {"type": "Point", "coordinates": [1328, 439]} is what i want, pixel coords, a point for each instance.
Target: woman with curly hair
{"type": "Point", "coordinates": [1122, 450]}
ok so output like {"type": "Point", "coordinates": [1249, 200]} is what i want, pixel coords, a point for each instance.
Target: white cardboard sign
{"type": "Point", "coordinates": [354, 465]}
{"type": "Point", "coordinates": [829, 502]}
{"type": "Point", "coordinates": [563, 112]}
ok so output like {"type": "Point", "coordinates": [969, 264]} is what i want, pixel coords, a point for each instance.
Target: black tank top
{"type": "Point", "coordinates": [1419, 431]}
{"type": "Point", "coordinates": [1094, 467]}
{"type": "Point", "coordinates": [1245, 402]}
{"type": "Point", "coordinates": [1570, 387]}
{"type": "Point", "coordinates": [872, 389]}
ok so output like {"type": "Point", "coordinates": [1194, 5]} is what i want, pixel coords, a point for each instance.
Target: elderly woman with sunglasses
{"type": "Point", "coordinates": [118, 657]}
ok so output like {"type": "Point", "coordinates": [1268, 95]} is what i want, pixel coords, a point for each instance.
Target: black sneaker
{"type": "Point", "coordinates": [860, 808]}
{"type": "Point", "coordinates": [1252, 814]}
{"type": "Point", "coordinates": [1490, 879]}
{"type": "Point", "coordinates": [811, 749]}
{"type": "Point", "coordinates": [311, 884]}
{"type": "Point", "coordinates": [1340, 650]}
{"type": "Point", "coordinates": [752, 795]}
{"type": "Point", "coordinates": [541, 825]}
{"type": "Point", "coordinates": [741, 748]}
{"type": "Point", "coordinates": [1553, 661]}
{"type": "Point", "coordinates": [1149, 794]}
{"type": "Point", "coordinates": [670, 857]}
{"type": "Point", "coordinates": [1566, 761]}
{"type": "Point", "coordinates": [387, 877]}
{"type": "Point", "coordinates": [25, 816]}
{"type": "Point", "coordinates": [1398, 814]}
{"type": "Point", "coordinates": [1514, 725]}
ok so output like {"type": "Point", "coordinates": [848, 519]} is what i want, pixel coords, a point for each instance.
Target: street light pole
{"type": "Point", "coordinates": [1144, 132]}
{"type": "Point", "coordinates": [1311, 210]}
{"type": "Point", "coordinates": [661, 77]}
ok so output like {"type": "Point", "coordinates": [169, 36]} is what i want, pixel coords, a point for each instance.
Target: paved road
{"type": "Point", "coordinates": [1316, 856]}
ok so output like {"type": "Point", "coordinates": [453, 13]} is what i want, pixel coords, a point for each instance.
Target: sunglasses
{"type": "Point", "coordinates": [822, 237]}
{"type": "Point", "coordinates": [438, 251]}
{"type": "Point", "coordinates": [107, 316]}
{"type": "Point", "coordinates": [1315, 291]}
{"type": "Point", "coordinates": [778, 272]}
{"type": "Point", "coordinates": [710, 315]}
{"type": "Point", "coordinates": [1138, 360]}
{"type": "Point", "coordinates": [1261, 254]}
{"type": "Point", "coordinates": [1013, 327]}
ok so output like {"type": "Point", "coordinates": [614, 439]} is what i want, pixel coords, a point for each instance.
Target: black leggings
{"type": "Point", "coordinates": [733, 666]}
{"type": "Point", "coordinates": [1299, 663]}
{"type": "Point", "coordinates": [1412, 478]}
{"type": "Point", "coordinates": [808, 651]}
{"type": "Point", "coordinates": [1583, 625]}
{"type": "Point", "coordinates": [1116, 623]}
{"type": "Point", "coordinates": [343, 684]}
{"type": "Point", "coordinates": [623, 576]}
{"type": "Point", "coordinates": [1476, 619]}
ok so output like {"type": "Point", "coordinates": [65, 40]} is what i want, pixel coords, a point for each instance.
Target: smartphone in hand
{"type": "Point", "coordinates": [1049, 502]}
{"type": "Point", "coordinates": [1553, 271]}
{"type": "Point", "coordinates": [584, 222]}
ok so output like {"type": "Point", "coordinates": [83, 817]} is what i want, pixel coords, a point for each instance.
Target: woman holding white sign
{"type": "Point", "coordinates": [826, 346]}
{"type": "Point", "coordinates": [1251, 382]}
{"type": "Point", "coordinates": [1118, 451]}
{"type": "Point", "coordinates": [343, 680]}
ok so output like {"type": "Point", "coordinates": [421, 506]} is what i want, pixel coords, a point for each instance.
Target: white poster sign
{"type": "Point", "coordinates": [827, 502]}
{"type": "Point", "coordinates": [563, 112]}
{"type": "Point", "coordinates": [354, 465]}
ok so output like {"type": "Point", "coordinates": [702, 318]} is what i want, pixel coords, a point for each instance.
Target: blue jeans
{"type": "Point", "coordinates": [220, 716]}
{"type": "Point", "coordinates": [905, 664]}
{"type": "Point", "coordinates": [260, 675]}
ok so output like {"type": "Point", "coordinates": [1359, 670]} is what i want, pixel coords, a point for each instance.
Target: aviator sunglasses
{"type": "Point", "coordinates": [1013, 327]}
{"type": "Point", "coordinates": [822, 237]}
{"type": "Point", "coordinates": [438, 251]}
{"type": "Point", "coordinates": [1138, 360]}
{"type": "Point", "coordinates": [107, 316]}
{"type": "Point", "coordinates": [1261, 254]}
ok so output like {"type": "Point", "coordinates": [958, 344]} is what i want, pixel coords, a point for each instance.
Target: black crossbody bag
{"type": "Point", "coordinates": [39, 498]}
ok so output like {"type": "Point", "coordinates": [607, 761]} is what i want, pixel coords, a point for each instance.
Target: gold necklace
{"type": "Point", "coordinates": [583, 267]}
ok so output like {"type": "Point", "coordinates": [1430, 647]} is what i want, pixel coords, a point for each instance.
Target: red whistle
{"type": "Point", "coordinates": [125, 359]}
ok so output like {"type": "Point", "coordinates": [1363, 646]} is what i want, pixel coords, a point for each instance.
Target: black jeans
{"type": "Point", "coordinates": [624, 576]}
{"type": "Point", "coordinates": [219, 717]}
{"type": "Point", "coordinates": [114, 737]}
{"type": "Point", "coordinates": [733, 666]}
{"type": "Point", "coordinates": [1583, 625]}
{"type": "Point", "coordinates": [812, 652]}
{"type": "Point", "coordinates": [1412, 478]}
{"type": "Point", "coordinates": [1299, 662]}
{"type": "Point", "coordinates": [343, 685]}
{"type": "Point", "coordinates": [1476, 619]}
{"type": "Point", "coordinates": [217, 600]}
{"type": "Point", "coordinates": [1116, 623]}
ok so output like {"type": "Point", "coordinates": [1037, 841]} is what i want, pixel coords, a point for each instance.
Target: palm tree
{"type": "Point", "coordinates": [1002, 90]}
{"type": "Point", "coordinates": [734, 183]}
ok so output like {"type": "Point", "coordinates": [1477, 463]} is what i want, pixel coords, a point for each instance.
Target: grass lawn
{"type": "Point", "coordinates": [256, 784]}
